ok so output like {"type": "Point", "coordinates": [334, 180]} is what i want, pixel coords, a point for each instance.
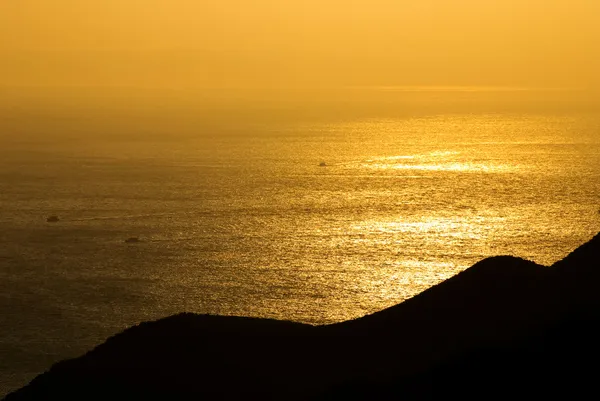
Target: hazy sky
{"type": "Point", "coordinates": [290, 43]}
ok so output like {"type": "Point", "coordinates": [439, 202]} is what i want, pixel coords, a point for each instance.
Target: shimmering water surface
{"type": "Point", "coordinates": [249, 223]}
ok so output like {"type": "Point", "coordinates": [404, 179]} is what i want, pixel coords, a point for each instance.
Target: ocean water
{"type": "Point", "coordinates": [249, 223]}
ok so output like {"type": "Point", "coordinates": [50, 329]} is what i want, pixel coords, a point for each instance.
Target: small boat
{"type": "Point", "coordinates": [52, 219]}
{"type": "Point", "coordinates": [322, 164]}
{"type": "Point", "coordinates": [132, 240]}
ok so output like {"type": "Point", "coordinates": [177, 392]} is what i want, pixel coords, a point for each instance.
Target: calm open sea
{"type": "Point", "coordinates": [249, 223]}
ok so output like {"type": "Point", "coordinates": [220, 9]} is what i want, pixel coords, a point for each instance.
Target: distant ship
{"type": "Point", "coordinates": [132, 240]}
{"type": "Point", "coordinates": [322, 164]}
{"type": "Point", "coordinates": [52, 219]}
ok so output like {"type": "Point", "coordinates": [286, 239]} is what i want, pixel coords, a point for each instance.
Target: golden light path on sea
{"type": "Point", "coordinates": [415, 162]}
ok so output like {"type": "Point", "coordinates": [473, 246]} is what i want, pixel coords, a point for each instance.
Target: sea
{"type": "Point", "coordinates": [320, 215]}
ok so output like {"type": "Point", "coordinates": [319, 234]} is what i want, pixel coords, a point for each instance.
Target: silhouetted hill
{"type": "Point", "coordinates": [582, 260]}
{"type": "Point", "coordinates": [558, 363]}
{"type": "Point", "coordinates": [579, 275]}
{"type": "Point", "coordinates": [495, 301]}
{"type": "Point", "coordinates": [502, 324]}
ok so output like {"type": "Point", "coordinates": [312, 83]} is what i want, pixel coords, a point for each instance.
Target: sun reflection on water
{"type": "Point", "coordinates": [435, 161]}
{"type": "Point", "coordinates": [447, 227]}
{"type": "Point", "coordinates": [462, 167]}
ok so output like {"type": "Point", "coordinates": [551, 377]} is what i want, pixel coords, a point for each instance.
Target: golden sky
{"type": "Point", "coordinates": [295, 43]}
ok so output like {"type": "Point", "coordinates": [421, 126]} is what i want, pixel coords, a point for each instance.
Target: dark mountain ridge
{"type": "Point", "coordinates": [502, 324]}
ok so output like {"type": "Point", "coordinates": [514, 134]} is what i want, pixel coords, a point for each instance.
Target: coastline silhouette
{"type": "Point", "coordinates": [505, 328]}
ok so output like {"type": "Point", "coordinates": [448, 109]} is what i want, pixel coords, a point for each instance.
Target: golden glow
{"type": "Point", "coordinates": [294, 43]}
{"type": "Point", "coordinates": [403, 202]}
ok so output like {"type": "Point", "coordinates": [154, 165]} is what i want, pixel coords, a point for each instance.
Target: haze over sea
{"type": "Point", "coordinates": [236, 216]}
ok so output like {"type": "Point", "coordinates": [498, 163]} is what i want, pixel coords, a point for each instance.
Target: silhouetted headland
{"type": "Point", "coordinates": [505, 328]}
